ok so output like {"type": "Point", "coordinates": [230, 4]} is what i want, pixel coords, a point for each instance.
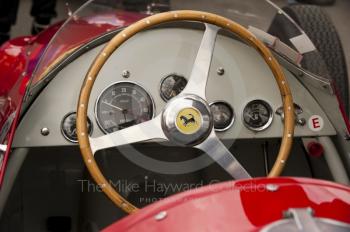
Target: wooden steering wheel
{"type": "Point", "coordinates": [191, 100]}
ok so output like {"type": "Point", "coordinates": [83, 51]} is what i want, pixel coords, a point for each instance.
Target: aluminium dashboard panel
{"type": "Point", "coordinates": [151, 55]}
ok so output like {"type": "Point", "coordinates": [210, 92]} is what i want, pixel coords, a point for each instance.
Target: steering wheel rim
{"type": "Point", "coordinates": [87, 144]}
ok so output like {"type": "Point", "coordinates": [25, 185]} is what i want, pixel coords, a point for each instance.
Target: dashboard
{"type": "Point", "coordinates": [151, 68]}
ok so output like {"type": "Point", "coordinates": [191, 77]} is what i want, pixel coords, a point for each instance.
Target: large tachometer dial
{"type": "Point", "coordinates": [257, 115]}
{"type": "Point", "coordinates": [121, 105]}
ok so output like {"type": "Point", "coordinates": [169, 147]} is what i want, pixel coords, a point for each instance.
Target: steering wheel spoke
{"type": "Point", "coordinates": [138, 133]}
{"type": "Point", "coordinates": [220, 154]}
{"type": "Point", "coordinates": [200, 71]}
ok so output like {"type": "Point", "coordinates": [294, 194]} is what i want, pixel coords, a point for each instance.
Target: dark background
{"type": "Point", "coordinates": [339, 13]}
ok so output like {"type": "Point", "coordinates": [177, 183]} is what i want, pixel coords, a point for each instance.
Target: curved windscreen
{"type": "Point", "coordinates": [97, 17]}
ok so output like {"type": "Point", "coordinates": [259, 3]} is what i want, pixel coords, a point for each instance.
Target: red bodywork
{"type": "Point", "coordinates": [20, 56]}
{"type": "Point", "coordinates": [243, 205]}
{"type": "Point", "coordinates": [240, 206]}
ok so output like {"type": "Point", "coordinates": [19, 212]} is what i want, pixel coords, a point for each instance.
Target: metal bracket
{"type": "Point", "coordinates": [277, 45]}
{"type": "Point", "coordinates": [304, 76]}
{"type": "Point", "coordinates": [300, 121]}
{"type": "Point", "coordinates": [292, 63]}
{"type": "Point", "coordinates": [303, 218]}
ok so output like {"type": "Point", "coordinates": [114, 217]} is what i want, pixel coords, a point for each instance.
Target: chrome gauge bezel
{"type": "Point", "coordinates": [63, 132]}
{"type": "Point", "coordinates": [232, 119]}
{"type": "Point", "coordinates": [121, 82]}
{"type": "Point", "coordinates": [162, 81]}
{"type": "Point", "coordinates": [268, 123]}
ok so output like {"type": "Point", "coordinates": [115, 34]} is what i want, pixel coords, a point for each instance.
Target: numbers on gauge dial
{"type": "Point", "coordinates": [121, 105]}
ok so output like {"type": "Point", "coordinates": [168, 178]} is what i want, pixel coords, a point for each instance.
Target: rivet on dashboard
{"type": "Point", "coordinates": [220, 71]}
{"type": "Point", "coordinates": [45, 131]}
{"type": "Point", "coordinates": [301, 121]}
{"type": "Point", "coordinates": [126, 74]}
{"type": "Point", "coordinates": [160, 216]}
{"type": "Point", "coordinates": [272, 187]}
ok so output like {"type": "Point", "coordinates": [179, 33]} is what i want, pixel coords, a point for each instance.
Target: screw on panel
{"type": "Point", "coordinates": [220, 71]}
{"type": "Point", "coordinates": [126, 74]}
{"type": "Point", "coordinates": [301, 121]}
{"type": "Point", "coordinates": [45, 131]}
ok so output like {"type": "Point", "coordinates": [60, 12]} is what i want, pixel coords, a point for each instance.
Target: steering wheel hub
{"type": "Point", "coordinates": [187, 120]}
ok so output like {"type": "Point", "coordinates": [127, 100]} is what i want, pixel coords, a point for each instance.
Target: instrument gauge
{"type": "Point", "coordinates": [257, 115]}
{"type": "Point", "coordinates": [223, 115]}
{"type": "Point", "coordinates": [69, 127]}
{"type": "Point", "coordinates": [171, 86]}
{"type": "Point", "coordinates": [121, 105]}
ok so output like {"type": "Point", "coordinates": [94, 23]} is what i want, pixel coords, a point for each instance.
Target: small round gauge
{"type": "Point", "coordinates": [121, 105]}
{"type": "Point", "coordinates": [257, 115]}
{"type": "Point", "coordinates": [223, 115]}
{"type": "Point", "coordinates": [69, 128]}
{"type": "Point", "coordinates": [171, 86]}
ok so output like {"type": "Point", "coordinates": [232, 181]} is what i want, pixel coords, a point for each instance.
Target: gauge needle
{"type": "Point", "coordinates": [113, 106]}
{"type": "Point", "coordinates": [251, 117]}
